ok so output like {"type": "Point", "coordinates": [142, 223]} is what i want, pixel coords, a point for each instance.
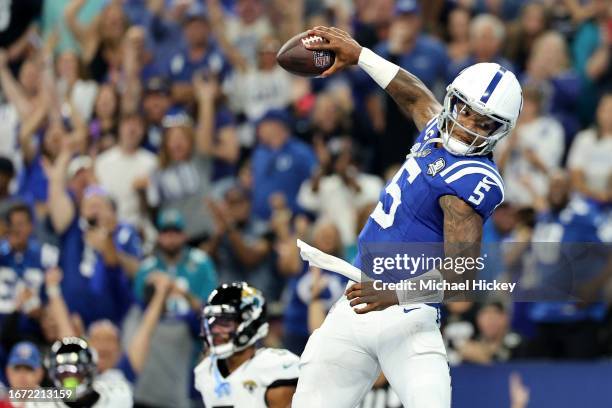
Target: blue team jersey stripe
{"type": "Point", "coordinates": [476, 162]}
{"type": "Point", "coordinates": [492, 85]}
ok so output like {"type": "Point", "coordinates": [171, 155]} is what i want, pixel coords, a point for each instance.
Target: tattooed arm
{"type": "Point", "coordinates": [413, 97]}
{"type": "Point", "coordinates": [408, 91]}
{"type": "Point", "coordinates": [462, 236]}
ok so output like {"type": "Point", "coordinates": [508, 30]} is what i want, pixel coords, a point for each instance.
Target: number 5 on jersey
{"type": "Point", "coordinates": [484, 184]}
{"type": "Point", "coordinates": [409, 171]}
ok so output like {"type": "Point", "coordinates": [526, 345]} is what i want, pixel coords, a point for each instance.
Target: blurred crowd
{"type": "Point", "coordinates": [152, 149]}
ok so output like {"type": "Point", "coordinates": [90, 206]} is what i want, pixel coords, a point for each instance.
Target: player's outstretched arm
{"type": "Point", "coordinates": [408, 91]}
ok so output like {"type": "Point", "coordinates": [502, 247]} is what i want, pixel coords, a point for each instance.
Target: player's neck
{"type": "Point", "coordinates": [237, 359]}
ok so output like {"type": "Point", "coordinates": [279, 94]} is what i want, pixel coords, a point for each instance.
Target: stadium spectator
{"type": "Point", "coordinates": [523, 33]}
{"type": "Point", "coordinates": [495, 341]}
{"type": "Point", "coordinates": [254, 90]}
{"type": "Point", "coordinates": [33, 182]}
{"type": "Point", "coordinates": [487, 35]}
{"type": "Point", "coordinates": [498, 232]}
{"type": "Point", "coordinates": [280, 163]}
{"type": "Point", "coordinates": [338, 190]}
{"type": "Point", "coordinates": [101, 40]}
{"type": "Point", "coordinates": [72, 86]}
{"type": "Point", "coordinates": [564, 228]}
{"type": "Point", "coordinates": [97, 253]}
{"type": "Point", "coordinates": [199, 55]}
{"type": "Point", "coordinates": [136, 64]}
{"type": "Point", "coordinates": [216, 132]}
{"type": "Point", "coordinates": [591, 55]}
{"type": "Point", "coordinates": [458, 326]}
{"type": "Point", "coordinates": [19, 25]}
{"type": "Point", "coordinates": [242, 246]}
{"type": "Point", "coordinates": [155, 105]}
{"type": "Point", "coordinates": [184, 174]}
{"type": "Point", "coordinates": [589, 157]}
{"type": "Point", "coordinates": [23, 259]}
{"type": "Point", "coordinates": [165, 379]}
{"type": "Point", "coordinates": [410, 48]}
{"type": "Point", "coordinates": [121, 168]}
{"type": "Point", "coordinates": [549, 68]}
{"type": "Point", "coordinates": [459, 34]}
{"type": "Point", "coordinates": [104, 336]}
{"type": "Point", "coordinates": [174, 257]}
{"type": "Point", "coordinates": [7, 172]}
{"type": "Point", "coordinates": [245, 29]}
{"type": "Point", "coordinates": [306, 286]}
{"type": "Point", "coordinates": [22, 96]}
{"type": "Point", "coordinates": [24, 369]}
{"type": "Point", "coordinates": [329, 121]}
{"type": "Point", "coordinates": [533, 151]}
{"type": "Point", "coordinates": [22, 92]}
{"type": "Point", "coordinates": [104, 125]}
{"type": "Point", "coordinates": [417, 52]}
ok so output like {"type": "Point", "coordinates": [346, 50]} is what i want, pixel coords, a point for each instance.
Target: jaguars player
{"type": "Point", "coordinates": [236, 373]}
{"type": "Point", "coordinates": [445, 190]}
{"type": "Point", "coordinates": [72, 364]}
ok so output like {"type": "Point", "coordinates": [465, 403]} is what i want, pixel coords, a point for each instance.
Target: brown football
{"type": "Point", "coordinates": [297, 59]}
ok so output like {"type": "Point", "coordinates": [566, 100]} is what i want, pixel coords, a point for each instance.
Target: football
{"type": "Point", "coordinates": [297, 59]}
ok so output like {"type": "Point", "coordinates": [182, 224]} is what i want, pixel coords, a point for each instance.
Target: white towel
{"type": "Point", "coordinates": [328, 262]}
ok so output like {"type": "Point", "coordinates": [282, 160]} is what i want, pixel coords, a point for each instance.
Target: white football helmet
{"type": "Point", "coordinates": [487, 89]}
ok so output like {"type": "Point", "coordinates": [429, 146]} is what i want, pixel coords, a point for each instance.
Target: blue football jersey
{"type": "Point", "coordinates": [23, 269]}
{"type": "Point", "coordinates": [566, 252]}
{"type": "Point", "coordinates": [408, 209]}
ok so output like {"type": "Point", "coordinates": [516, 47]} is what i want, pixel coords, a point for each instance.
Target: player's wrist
{"type": "Point", "coordinates": [381, 70]}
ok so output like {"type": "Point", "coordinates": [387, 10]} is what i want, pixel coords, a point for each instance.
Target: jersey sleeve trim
{"type": "Point", "coordinates": [452, 167]}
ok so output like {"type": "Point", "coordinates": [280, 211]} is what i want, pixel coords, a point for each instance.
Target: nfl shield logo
{"type": "Point", "coordinates": [321, 59]}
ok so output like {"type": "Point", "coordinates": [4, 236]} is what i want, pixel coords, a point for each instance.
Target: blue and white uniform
{"type": "Point", "coordinates": [350, 350]}
{"type": "Point", "coordinates": [345, 355]}
{"type": "Point", "coordinates": [408, 211]}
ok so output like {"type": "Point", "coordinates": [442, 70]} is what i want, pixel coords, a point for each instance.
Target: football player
{"type": "Point", "coordinates": [447, 187]}
{"type": "Point", "coordinates": [72, 364]}
{"type": "Point", "coordinates": [235, 372]}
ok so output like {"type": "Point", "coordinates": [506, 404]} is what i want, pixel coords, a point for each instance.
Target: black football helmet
{"type": "Point", "coordinates": [233, 319]}
{"type": "Point", "coordinates": [72, 363]}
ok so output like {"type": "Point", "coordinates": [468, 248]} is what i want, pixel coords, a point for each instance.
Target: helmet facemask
{"type": "Point", "coordinates": [235, 312]}
{"type": "Point", "coordinates": [219, 320]}
{"type": "Point", "coordinates": [73, 365]}
{"type": "Point", "coordinates": [455, 105]}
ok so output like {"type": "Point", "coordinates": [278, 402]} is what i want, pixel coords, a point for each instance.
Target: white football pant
{"type": "Point", "coordinates": [344, 357]}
